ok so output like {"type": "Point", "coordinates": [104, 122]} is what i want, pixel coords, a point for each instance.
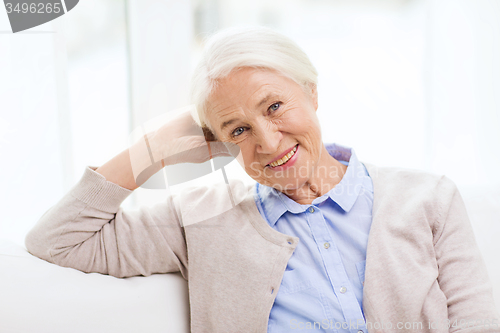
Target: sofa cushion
{"type": "Point", "coordinates": [38, 296]}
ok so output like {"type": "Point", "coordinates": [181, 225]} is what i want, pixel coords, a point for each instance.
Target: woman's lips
{"type": "Point", "coordinates": [288, 163]}
{"type": "Point", "coordinates": [282, 155]}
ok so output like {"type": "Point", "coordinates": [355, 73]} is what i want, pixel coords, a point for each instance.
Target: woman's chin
{"type": "Point", "coordinates": [285, 185]}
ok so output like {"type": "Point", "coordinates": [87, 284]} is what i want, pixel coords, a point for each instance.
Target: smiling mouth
{"type": "Point", "coordinates": [284, 159]}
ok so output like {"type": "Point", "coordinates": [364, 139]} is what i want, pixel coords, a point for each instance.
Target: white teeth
{"type": "Point", "coordinates": [284, 159]}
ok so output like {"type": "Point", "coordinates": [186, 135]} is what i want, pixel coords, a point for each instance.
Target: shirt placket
{"type": "Point", "coordinates": [336, 273]}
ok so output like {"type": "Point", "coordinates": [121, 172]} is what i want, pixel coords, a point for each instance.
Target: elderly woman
{"type": "Point", "coordinates": [321, 241]}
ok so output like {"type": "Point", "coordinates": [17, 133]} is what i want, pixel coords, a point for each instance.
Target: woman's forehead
{"type": "Point", "coordinates": [249, 87]}
{"type": "Point", "coordinates": [248, 80]}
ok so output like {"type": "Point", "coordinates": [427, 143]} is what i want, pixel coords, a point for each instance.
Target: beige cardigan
{"type": "Point", "coordinates": [422, 265]}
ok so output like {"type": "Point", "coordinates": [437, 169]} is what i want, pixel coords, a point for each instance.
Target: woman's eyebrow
{"type": "Point", "coordinates": [265, 99]}
{"type": "Point", "coordinates": [227, 123]}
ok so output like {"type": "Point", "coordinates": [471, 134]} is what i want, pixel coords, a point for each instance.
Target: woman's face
{"type": "Point", "coordinates": [268, 116]}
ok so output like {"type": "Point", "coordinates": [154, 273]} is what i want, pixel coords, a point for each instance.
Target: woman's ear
{"type": "Point", "coordinates": [314, 95]}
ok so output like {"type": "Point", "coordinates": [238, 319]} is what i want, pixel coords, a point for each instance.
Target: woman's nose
{"type": "Point", "coordinates": [268, 139]}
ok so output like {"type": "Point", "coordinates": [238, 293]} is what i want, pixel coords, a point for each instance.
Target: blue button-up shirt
{"type": "Point", "coordinates": [322, 287]}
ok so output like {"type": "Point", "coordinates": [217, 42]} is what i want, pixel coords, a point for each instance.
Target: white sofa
{"type": "Point", "coordinates": [40, 297]}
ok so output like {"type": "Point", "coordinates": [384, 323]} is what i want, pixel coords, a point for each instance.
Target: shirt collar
{"type": "Point", "coordinates": [275, 203]}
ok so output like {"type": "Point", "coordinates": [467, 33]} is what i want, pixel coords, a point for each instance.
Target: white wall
{"type": "Point", "coordinates": [32, 168]}
{"type": "Point", "coordinates": [63, 106]}
{"type": "Point", "coordinates": [463, 90]}
{"type": "Point", "coordinates": [161, 36]}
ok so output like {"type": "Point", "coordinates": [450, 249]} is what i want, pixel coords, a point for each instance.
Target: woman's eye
{"type": "Point", "coordinates": [237, 131]}
{"type": "Point", "coordinates": [275, 106]}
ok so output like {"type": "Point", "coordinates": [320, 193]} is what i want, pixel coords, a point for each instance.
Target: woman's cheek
{"type": "Point", "coordinates": [241, 159]}
{"type": "Point", "coordinates": [246, 158]}
{"type": "Point", "coordinates": [296, 117]}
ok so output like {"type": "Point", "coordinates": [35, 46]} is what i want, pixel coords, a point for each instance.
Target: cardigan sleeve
{"type": "Point", "coordinates": [463, 276]}
{"type": "Point", "coordinates": [89, 231]}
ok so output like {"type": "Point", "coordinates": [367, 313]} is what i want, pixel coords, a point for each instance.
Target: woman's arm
{"type": "Point", "coordinates": [119, 169]}
{"type": "Point", "coordinates": [463, 276]}
{"type": "Point", "coordinates": [89, 231]}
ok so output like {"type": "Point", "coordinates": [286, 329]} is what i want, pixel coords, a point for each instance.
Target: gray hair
{"type": "Point", "coordinates": [257, 47]}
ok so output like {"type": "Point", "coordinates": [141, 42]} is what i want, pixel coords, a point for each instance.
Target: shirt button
{"type": "Point", "coordinates": [326, 245]}
{"type": "Point", "coordinates": [311, 209]}
{"type": "Point", "coordinates": [343, 290]}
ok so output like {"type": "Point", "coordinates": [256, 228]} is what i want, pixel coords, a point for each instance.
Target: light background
{"type": "Point", "coordinates": [410, 83]}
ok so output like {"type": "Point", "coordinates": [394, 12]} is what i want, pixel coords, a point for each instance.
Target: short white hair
{"type": "Point", "coordinates": [236, 47]}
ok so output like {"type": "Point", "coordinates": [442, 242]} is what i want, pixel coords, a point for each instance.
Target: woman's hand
{"type": "Point", "coordinates": [181, 140]}
{"type": "Point", "coordinates": [176, 140]}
